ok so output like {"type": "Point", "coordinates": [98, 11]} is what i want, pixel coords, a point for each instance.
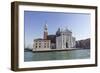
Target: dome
{"type": "Point", "coordinates": [58, 32]}
{"type": "Point", "coordinates": [67, 30]}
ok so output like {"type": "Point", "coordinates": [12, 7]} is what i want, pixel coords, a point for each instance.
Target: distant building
{"type": "Point", "coordinates": [42, 44]}
{"type": "Point", "coordinates": [64, 39]}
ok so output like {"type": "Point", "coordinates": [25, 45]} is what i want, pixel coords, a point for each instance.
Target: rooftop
{"type": "Point", "coordinates": [40, 39]}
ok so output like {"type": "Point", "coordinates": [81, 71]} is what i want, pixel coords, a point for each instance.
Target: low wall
{"type": "Point", "coordinates": [47, 50]}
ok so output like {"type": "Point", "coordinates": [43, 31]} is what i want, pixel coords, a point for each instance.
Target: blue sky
{"type": "Point", "coordinates": [34, 22]}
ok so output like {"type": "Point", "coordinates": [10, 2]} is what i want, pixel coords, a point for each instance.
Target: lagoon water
{"type": "Point", "coordinates": [56, 55]}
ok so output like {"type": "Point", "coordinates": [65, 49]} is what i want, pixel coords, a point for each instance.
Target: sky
{"type": "Point", "coordinates": [34, 21]}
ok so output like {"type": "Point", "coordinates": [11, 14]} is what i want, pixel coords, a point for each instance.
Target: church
{"type": "Point", "coordinates": [63, 39]}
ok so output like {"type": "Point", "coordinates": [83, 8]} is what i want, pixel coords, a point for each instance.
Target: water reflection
{"type": "Point", "coordinates": [61, 55]}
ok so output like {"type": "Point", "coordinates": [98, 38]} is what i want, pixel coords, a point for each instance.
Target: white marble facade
{"type": "Point", "coordinates": [65, 40]}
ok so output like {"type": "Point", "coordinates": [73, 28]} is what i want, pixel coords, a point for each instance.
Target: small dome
{"type": "Point", "coordinates": [58, 32]}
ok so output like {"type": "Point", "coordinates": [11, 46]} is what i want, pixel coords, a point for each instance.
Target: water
{"type": "Point", "coordinates": [56, 55]}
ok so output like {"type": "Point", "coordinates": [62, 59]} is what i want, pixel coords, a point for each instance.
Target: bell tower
{"type": "Point", "coordinates": [45, 31]}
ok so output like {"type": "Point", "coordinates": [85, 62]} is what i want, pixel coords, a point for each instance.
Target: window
{"type": "Point", "coordinates": [39, 46]}
{"type": "Point", "coordinates": [35, 46]}
{"type": "Point", "coordinates": [44, 46]}
{"type": "Point", "coordinates": [44, 43]}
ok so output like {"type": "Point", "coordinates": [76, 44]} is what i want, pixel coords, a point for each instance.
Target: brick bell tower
{"type": "Point", "coordinates": [45, 31]}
